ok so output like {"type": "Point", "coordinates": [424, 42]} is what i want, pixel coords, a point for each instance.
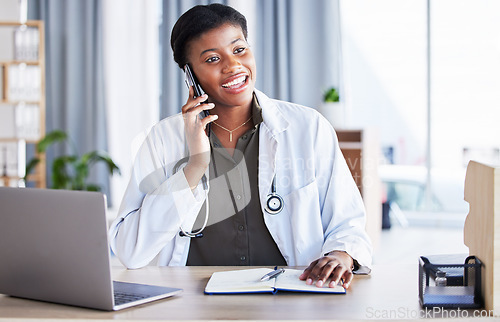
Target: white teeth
{"type": "Point", "coordinates": [234, 82]}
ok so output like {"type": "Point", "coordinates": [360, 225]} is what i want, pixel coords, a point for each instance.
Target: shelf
{"type": "Point", "coordinates": [29, 23]}
{"type": "Point", "coordinates": [19, 102]}
{"type": "Point", "coordinates": [9, 178]}
{"type": "Point", "coordinates": [17, 83]}
{"type": "Point", "coordinates": [361, 153]}
{"type": "Point", "coordinates": [20, 62]}
{"type": "Point", "coordinates": [28, 141]}
{"type": "Point", "coordinates": [351, 145]}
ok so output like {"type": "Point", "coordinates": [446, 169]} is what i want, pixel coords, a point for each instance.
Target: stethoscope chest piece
{"type": "Point", "coordinates": [274, 204]}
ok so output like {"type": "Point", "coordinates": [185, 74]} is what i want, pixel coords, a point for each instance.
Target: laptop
{"type": "Point", "coordinates": [54, 248]}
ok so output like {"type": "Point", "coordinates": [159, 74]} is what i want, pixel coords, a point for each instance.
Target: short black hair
{"type": "Point", "coordinates": [198, 20]}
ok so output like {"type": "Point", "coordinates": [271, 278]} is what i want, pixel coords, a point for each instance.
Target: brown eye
{"type": "Point", "coordinates": [212, 60]}
{"type": "Point", "coordinates": [240, 50]}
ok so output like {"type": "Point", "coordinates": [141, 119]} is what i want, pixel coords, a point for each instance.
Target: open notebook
{"type": "Point", "coordinates": [248, 281]}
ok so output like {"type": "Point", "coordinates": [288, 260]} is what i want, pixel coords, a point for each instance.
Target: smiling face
{"type": "Point", "coordinates": [224, 65]}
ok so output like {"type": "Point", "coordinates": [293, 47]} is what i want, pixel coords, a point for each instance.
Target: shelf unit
{"type": "Point", "coordinates": [362, 153]}
{"type": "Point", "coordinates": [22, 100]}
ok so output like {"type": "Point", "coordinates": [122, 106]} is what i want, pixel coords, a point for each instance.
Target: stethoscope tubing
{"type": "Point", "coordinates": [274, 203]}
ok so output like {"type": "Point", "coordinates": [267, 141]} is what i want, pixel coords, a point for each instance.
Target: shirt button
{"type": "Point", "coordinates": [241, 227]}
{"type": "Point", "coordinates": [238, 197]}
{"type": "Point", "coordinates": [242, 258]}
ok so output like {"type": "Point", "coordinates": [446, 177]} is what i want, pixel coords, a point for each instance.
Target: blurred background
{"type": "Point", "coordinates": [418, 81]}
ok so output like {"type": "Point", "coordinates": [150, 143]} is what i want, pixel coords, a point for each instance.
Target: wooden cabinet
{"type": "Point", "coordinates": [362, 153]}
{"type": "Point", "coordinates": [482, 228]}
{"type": "Point", "coordinates": [22, 100]}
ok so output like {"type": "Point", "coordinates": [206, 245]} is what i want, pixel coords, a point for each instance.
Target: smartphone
{"type": "Point", "coordinates": [198, 91]}
{"type": "Point", "coordinates": [192, 81]}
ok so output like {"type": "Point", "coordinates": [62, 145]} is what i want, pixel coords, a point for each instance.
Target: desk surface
{"type": "Point", "coordinates": [386, 293]}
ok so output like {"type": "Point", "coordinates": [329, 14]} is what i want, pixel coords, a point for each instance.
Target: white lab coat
{"type": "Point", "coordinates": [323, 209]}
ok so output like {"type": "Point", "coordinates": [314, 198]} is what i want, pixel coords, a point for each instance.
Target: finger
{"type": "Point", "coordinates": [347, 278]}
{"type": "Point", "coordinates": [315, 272]}
{"type": "Point", "coordinates": [190, 96]}
{"type": "Point", "coordinates": [193, 102]}
{"type": "Point", "coordinates": [341, 272]}
{"type": "Point", "coordinates": [326, 272]}
{"type": "Point", "coordinates": [306, 272]}
{"type": "Point", "coordinates": [208, 119]}
{"type": "Point", "coordinates": [206, 106]}
{"type": "Point", "coordinates": [200, 108]}
{"type": "Point", "coordinates": [193, 112]}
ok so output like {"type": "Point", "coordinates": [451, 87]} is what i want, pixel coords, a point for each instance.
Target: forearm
{"type": "Point", "coordinates": [193, 172]}
{"type": "Point", "coordinates": [135, 244]}
{"type": "Point", "coordinates": [148, 224]}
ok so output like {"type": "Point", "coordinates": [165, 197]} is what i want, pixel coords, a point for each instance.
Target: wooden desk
{"type": "Point", "coordinates": [386, 292]}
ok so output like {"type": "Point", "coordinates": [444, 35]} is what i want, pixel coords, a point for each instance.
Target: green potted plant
{"type": "Point", "coordinates": [332, 109]}
{"type": "Point", "coordinates": [71, 171]}
{"type": "Point", "coordinates": [331, 95]}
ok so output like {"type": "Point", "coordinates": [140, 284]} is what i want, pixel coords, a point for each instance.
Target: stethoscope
{"type": "Point", "coordinates": [199, 233]}
{"type": "Point", "coordinates": [274, 203]}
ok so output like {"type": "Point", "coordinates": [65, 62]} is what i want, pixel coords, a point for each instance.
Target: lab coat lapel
{"type": "Point", "coordinates": [273, 124]}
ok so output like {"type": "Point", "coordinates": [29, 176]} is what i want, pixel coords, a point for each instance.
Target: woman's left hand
{"type": "Point", "coordinates": [336, 265]}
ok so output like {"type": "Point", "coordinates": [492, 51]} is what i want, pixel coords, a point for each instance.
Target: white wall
{"type": "Point", "coordinates": [9, 10]}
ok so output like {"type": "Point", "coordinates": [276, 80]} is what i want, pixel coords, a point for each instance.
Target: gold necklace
{"type": "Point", "coordinates": [231, 131]}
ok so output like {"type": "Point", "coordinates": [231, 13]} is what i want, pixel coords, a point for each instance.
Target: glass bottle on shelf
{"type": "Point", "coordinates": [440, 279]}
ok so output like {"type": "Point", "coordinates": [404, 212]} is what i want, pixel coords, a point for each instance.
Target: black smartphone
{"type": "Point", "coordinates": [192, 81]}
{"type": "Point", "coordinates": [198, 91]}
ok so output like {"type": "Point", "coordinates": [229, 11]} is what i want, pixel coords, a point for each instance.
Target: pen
{"type": "Point", "coordinates": [272, 274]}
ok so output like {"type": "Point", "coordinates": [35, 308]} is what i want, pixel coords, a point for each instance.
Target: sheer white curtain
{"type": "Point", "coordinates": [131, 63]}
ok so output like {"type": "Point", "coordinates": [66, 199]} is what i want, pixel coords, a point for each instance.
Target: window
{"type": "Point", "coordinates": [385, 68]}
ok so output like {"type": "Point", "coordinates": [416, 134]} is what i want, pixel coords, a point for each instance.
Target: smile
{"type": "Point", "coordinates": [236, 82]}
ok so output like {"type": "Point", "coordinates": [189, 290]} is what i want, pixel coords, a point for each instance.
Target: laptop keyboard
{"type": "Point", "coordinates": [123, 297]}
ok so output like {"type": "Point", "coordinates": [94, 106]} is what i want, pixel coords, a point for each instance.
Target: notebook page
{"type": "Point", "coordinates": [290, 281]}
{"type": "Point", "coordinates": [240, 281]}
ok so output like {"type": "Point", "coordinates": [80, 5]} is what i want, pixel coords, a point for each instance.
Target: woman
{"type": "Point", "coordinates": [278, 189]}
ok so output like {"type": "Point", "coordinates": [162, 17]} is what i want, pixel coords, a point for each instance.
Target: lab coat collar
{"type": "Point", "coordinates": [274, 120]}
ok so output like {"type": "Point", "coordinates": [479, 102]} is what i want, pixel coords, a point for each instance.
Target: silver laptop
{"type": "Point", "coordinates": [54, 248]}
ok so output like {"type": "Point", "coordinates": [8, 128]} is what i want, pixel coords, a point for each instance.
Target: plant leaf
{"type": "Point", "coordinates": [69, 171]}
{"type": "Point", "coordinates": [30, 166]}
{"type": "Point", "coordinates": [61, 179]}
{"type": "Point", "coordinates": [92, 187]}
{"type": "Point", "coordinates": [49, 139]}
{"type": "Point", "coordinates": [331, 95]}
{"type": "Point", "coordinates": [81, 168]}
{"type": "Point", "coordinates": [96, 156]}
